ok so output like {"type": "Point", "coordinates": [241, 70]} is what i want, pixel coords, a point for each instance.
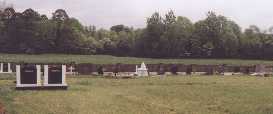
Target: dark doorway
{"type": "Point", "coordinates": [28, 74]}
{"type": "Point", "coordinates": [54, 74]}
{"type": "Point", "coordinates": [5, 67]}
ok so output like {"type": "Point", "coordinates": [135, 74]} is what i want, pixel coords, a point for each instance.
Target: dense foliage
{"type": "Point", "coordinates": [167, 36]}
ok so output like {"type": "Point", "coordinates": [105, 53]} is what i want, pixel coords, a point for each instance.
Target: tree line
{"type": "Point", "coordinates": [165, 36]}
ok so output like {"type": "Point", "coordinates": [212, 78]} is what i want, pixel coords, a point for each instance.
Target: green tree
{"type": "Point", "coordinates": [218, 36]}
{"type": "Point", "coordinates": [176, 36]}
{"type": "Point", "coordinates": [149, 44]}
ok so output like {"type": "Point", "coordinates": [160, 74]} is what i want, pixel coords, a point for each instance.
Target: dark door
{"type": "Point", "coordinates": [5, 67]}
{"type": "Point", "coordinates": [28, 74]}
{"type": "Point", "coordinates": [55, 74]}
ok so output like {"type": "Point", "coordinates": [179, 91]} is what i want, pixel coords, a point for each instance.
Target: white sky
{"type": "Point", "coordinates": [105, 13]}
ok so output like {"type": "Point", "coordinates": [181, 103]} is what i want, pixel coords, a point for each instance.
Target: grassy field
{"type": "Point", "coordinates": [105, 59]}
{"type": "Point", "coordinates": [170, 95]}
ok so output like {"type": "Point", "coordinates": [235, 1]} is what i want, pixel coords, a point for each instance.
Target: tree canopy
{"type": "Point", "coordinates": [165, 36]}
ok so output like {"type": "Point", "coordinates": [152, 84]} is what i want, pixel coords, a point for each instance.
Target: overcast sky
{"type": "Point", "coordinates": [105, 13]}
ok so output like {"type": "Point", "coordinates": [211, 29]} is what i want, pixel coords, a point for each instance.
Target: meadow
{"type": "Point", "coordinates": [153, 95]}
{"type": "Point", "coordinates": [106, 59]}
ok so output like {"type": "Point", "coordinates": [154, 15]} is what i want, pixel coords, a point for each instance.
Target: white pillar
{"type": "Point", "coordinates": [63, 75]}
{"type": "Point", "coordinates": [38, 67]}
{"type": "Point", "coordinates": [9, 69]}
{"type": "Point", "coordinates": [45, 74]}
{"type": "Point", "coordinates": [136, 70]}
{"type": "Point", "coordinates": [18, 76]}
{"type": "Point", "coordinates": [1, 69]}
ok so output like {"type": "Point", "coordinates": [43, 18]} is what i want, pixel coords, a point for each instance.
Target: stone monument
{"type": "Point", "coordinates": [55, 76]}
{"type": "Point", "coordinates": [70, 70]}
{"type": "Point", "coordinates": [142, 71]}
{"type": "Point", "coordinates": [28, 76]}
{"type": "Point", "coordinates": [5, 68]}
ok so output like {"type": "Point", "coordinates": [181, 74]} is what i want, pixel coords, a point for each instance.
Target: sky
{"type": "Point", "coordinates": [105, 13]}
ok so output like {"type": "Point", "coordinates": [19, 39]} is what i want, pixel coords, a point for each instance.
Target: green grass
{"type": "Point", "coordinates": [170, 95]}
{"type": "Point", "coordinates": [105, 59]}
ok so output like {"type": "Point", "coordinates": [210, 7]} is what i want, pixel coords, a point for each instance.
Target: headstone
{"type": "Point", "coordinates": [174, 69]}
{"type": "Point", "coordinates": [70, 70]}
{"type": "Point", "coordinates": [189, 69]}
{"type": "Point", "coordinates": [221, 69]}
{"type": "Point", "coordinates": [142, 71]}
{"type": "Point", "coordinates": [100, 70]}
{"type": "Point", "coordinates": [5, 68]}
{"type": "Point", "coordinates": [55, 76]}
{"type": "Point", "coordinates": [28, 76]}
{"type": "Point", "coordinates": [161, 70]}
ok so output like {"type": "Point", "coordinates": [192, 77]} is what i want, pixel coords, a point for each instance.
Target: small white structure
{"type": "Point", "coordinates": [70, 70]}
{"type": "Point", "coordinates": [5, 68]}
{"type": "Point", "coordinates": [62, 82]}
{"type": "Point", "coordinates": [22, 80]}
{"type": "Point", "coordinates": [142, 71]}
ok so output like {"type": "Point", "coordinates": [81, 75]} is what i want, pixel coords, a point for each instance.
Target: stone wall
{"type": "Point", "coordinates": [88, 69]}
{"type": "Point", "coordinates": [162, 68]}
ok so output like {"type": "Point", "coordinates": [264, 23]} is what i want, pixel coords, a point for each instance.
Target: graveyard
{"type": "Point", "coordinates": [136, 57]}
{"type": "Point", "coordinates": [141, 86]}
{"type": "Point", "coordinates": [173, 94]}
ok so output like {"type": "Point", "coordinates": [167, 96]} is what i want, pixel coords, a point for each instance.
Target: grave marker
{"type": "Point", "coordinates": [5, 68]}
{"type": "Point", "coordinates": [28, 76]}
{"type": "Point", "coordinates": [189, 69]}
{"type": "Point", "coordinates": [174, 69]}
{"type": "Point", "coordinates": [55, 76]}
{"type": "Point", "coordinates": [160, 69]}
{"type": "Point", "coordinates": [142, 71]}
{"type": "Point", "coordinates": [70, 70]}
